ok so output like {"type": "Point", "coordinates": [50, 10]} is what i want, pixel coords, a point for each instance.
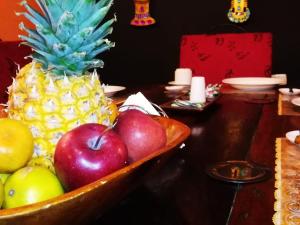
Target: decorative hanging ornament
{"type": "Point", "coordinates": [142, 16]}
{"type": "Point", "coordinates": [239, 11]}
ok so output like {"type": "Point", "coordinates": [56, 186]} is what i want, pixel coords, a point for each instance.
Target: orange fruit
{"type": "Point", "coordinates": [114, 111]}
{"type": "Point", "coordinates": [16, 144]}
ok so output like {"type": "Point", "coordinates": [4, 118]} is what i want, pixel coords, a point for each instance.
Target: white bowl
{"type": "Point", "coordinates": [286, 91]}
{"type": "Point", "coordinates": [291, 136]}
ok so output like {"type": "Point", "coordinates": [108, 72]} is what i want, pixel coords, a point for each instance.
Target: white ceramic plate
{"type": "Point", "coordinates": [291, 135]}
{"type": "Point", "coordinates": [110, 90]}
{"type": "Point", "coordinates": [178, 84]}
{"type": "Point", "coordinates": [296, 101]}
{"type": "Point", "coordinates": [175, 88]}
{"type": "Point", "coordinates": [286, 91]}
{"type": "Point", "coordinates": [252, 83]}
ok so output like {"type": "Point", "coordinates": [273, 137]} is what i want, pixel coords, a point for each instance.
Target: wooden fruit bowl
{"type": "Point", "coordinates": [89, 201]}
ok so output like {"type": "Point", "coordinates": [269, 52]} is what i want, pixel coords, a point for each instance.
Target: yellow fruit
{"type": "Point", "coordinates": [16, 145]}
{"type": "Point", "coordinates": [30, 185]}
{"type": "Point", "coordinates": [114, 111]}
{"type": "Point", "coordinates": [1, 194]}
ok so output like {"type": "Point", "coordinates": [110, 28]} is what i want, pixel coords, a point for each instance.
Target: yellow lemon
{"type": "Point", "coordinates": [29, 185]}
{"type": "Point", "coordinates": [16, 145]}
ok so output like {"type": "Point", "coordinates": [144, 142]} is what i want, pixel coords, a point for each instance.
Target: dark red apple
{"type": "Point", "coordinates": [87, 153]}
{"type": "Point", "coordinates": [141, 133]}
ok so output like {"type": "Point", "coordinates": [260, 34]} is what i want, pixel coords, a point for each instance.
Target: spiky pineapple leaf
{"type": "Point", "coordinates": [61, 49]}
{"type": "Point", "coordinates": [66, 26]}
{"type": "Point", "coordinates": [44, 10]}
{"type": "Point", "coordinates": [68, 5]}
{"type": "Point", "coordinates": [75, 57]}
{"type": "Point", "coordinates": [30, 18]}
{"type": "Point", "coordinates": [83, 9]}
{"type": "Point", "coordinates": [101, 49]}
{"type": "Point", "coordinates": [94, 63]}
{"type": "Point", "coordinates": [77, 39]}
{"type": "Point", "coordinates": [32, 33]}
{"type": "Point", "coordinates": [54, 11]}
{"type": "Point", "coordinates": [41, 59]}
{"type": "Point", "coordinates": [96, 18]}
{"type": "Point", "coordinates": [48, 35]}
{"type": "Point", "coordinates": [90, 47]}
{"type": "Point", "coordinates": [49, 57]}
{"type": "Point", "coordinates": [35, 15]}
{"type": "Point", "coordinates": [33, 43]}
{"type": "Point", "coordinates": [101, 32]}
{"type": "Point", "coordinates": [103, 3]}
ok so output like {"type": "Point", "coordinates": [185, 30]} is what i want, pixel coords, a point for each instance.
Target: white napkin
{"type": "Point", "coordinates": [139, 100]}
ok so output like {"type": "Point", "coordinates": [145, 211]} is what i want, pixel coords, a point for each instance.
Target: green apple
{"type": "Point", "coordinates": [29, 185]}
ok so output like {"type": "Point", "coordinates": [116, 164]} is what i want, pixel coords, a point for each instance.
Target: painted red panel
{"type": "Point", "coordinates": [222, 56]}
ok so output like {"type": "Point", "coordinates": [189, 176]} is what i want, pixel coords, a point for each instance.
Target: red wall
{"type": "Point", "coordinates": [9, 22]}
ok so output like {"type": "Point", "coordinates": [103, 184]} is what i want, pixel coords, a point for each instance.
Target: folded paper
{"type": "Point", "coordinates": [141, 103]}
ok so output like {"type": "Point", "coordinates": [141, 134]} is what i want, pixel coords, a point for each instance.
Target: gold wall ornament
{"type": "Point", "coordinates": [239, 11]}
{"type": "Point", "coordinates": [142, 16]}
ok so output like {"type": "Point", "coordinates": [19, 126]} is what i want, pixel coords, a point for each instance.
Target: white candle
{"type": "Point", "coordinates": [183, 76]}
{"type": "Point", "coordinates": [197, 94]}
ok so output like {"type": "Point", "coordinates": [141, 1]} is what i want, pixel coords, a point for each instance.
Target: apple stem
{"type": "Point", "coordinates": [96, 145]}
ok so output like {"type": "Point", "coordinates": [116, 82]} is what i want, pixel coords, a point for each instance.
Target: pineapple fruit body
{"type": "Point", "coordinates": [52, 105]}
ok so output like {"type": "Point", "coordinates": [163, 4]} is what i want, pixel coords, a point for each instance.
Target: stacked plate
{"type": "Point", "coordinates": [178, 84]}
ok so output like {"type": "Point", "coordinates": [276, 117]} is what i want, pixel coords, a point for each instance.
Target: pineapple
{"type": "Point", "coordinates": [56, 92]}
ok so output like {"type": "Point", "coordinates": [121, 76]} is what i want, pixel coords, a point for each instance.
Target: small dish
{"type": "Point", "coordinates": [296, 101]}
{"type": "Point", "coordinates": [178, 84]}
{"type": "Point", "coordinates": [110, 90]}
{"type": "Point", "coordinates": [238, 172]}
{"type": "Point", "coordinates": [175, 88]}
{"type": "Point", "coordinates": [289, 91]}
{"type": "Point", "coordinates": [293, 137]}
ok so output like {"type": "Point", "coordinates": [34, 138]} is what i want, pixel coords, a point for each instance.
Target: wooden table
{"type": "Point", "coordinates": [180, 193]}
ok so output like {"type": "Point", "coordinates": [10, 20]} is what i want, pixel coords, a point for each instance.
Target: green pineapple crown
{"type": "Point", "coordinates": [69, 34]}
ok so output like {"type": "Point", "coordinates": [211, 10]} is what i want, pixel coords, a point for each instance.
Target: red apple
{"type": "Point", "coordinates": [141, 133]}
{"type": "Point", "coordinates": [87, 153]}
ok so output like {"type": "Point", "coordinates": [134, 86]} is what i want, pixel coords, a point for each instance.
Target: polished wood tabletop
{"type": "Point", "coordinates": [235, 127]}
